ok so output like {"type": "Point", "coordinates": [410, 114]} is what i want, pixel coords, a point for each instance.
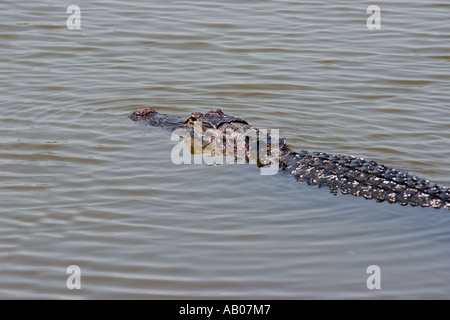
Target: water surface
{"type": "Point", "coordinates": [83, 185]}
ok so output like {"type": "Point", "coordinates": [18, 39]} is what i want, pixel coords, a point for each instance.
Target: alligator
{"type": "Point", "coordinates": [347, 174]}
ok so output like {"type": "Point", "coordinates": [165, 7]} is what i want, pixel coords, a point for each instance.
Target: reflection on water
{"type": "Point", "coordinates": [82, 185]}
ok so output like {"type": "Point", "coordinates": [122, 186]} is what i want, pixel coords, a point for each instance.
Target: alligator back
{"type": "Point", "coordinates": [363, 178]}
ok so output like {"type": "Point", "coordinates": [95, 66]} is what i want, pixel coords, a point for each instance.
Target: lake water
{"type": "Point", "coordinates": [83, 185]}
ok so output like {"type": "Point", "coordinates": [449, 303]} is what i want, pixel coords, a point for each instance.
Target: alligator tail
{"type": "Point", "coordinates": [362, 178]}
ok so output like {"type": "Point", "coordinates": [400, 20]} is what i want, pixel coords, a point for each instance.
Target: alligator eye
{"type": "Point", "coordinates": [194, 117]}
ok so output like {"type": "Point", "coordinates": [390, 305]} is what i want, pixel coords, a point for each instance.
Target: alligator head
{"type": "Point", "coordinates": [214, 119]}
{"type": "Point", "coordinates": [223, 133]}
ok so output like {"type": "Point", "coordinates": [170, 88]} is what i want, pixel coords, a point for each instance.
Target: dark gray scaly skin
{"type": "Point", "coordinates": [348, 174]}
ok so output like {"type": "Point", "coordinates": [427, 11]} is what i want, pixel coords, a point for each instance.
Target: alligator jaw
{"type": "Point", "coordinates": [153, 118]}
{"type": "Point", "coordinates": [140, 114]}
